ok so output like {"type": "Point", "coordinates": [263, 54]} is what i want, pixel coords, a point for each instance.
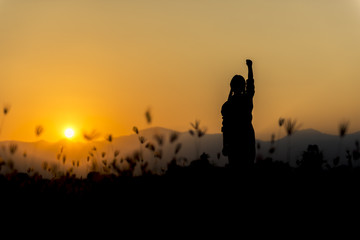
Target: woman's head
{"type": "Point", "coordinates": [237, 84]}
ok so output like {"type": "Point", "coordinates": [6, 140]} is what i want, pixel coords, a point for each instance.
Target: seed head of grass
{"type": "Point", "coordinates": [159, 139]}
{"type": "Point", "coordinates": [201, 132]}
{"type": "Point", "coordinates": [113, 163]}
{"type": "Point", "coordinates": [291, 126]}
{"type": "Point", "coordinates": [116, 153]}
{"type": "Point", "coordinates": [150, 146]}
{"type": "Point", "coordinates": [136, 156]}
{"type": "Point", "coordinates": [197, 130]}
{"type": "Point", "coordinates": [142, 139]}
{"type": "Point", "coordinates": [109, 138]}
{"type": "Point", "coordinates": [144, 167]}
{"type": "Point", "coordinates": [272, 138]}
{"type": "Point", "coordinates": [91, 136]}
{"type": "Point", "coordinates": [148, 116]}
{"type": "Point", "coordinates": [281, 121]}
{"type": "Point", "coordinates": [45, 165]}
{"type": "Point", "coordinates": [12, 148]}
{"type": "Point", "coordinates": [39, 130]}
{"type": "Point", "coordinates": [343, 128]}
{"type": "Point", "coordinates": [136, 130]}
{"type": "Point", "coordinates": [173, 137]}
{"type": "Point", "coordinates": [6, 109]}
{"type": "Point", "coordinates": [196, 124]}
{"type": "Point", "coordinates": [178, 148]}
{"type": "Point", "coordinates": [10, 164]}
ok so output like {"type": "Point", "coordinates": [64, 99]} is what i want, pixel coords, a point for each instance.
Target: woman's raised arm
{"type": "Point", "coordinates": [250, 87]}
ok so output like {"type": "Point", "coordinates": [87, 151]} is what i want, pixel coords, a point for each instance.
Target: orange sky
{"type": "Point", "coordinates": [100, 64]}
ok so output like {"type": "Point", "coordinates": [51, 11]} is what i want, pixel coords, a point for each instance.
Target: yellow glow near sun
{"type": "Point", "coordinates": [69, 133]}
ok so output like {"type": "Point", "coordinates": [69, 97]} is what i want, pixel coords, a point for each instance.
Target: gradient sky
{"type": "Point", "coordinates": [100, 64]}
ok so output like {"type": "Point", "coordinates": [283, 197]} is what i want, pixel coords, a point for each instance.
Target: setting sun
{"type": "Point", "coordinates": [69, 133]}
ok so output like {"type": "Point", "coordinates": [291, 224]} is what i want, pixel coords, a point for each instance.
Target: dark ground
{"type": "Point", "coordinates": [275, 183]}
{"type": "Point", "coordinates": [201, 197]}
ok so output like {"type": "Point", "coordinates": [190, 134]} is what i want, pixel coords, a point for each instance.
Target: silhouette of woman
{"type": "Point", "coordinates": [237, 128]}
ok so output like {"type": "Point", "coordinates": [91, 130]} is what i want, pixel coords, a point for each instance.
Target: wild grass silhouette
{"type": "Point", "coordinates": [6, 110]}
{"type": "Point", "coordinates": [291, 126]}
{"type": "Point", "coordinates": [343, 129]}
{"type": "Point", "coordinates": [110, 174]}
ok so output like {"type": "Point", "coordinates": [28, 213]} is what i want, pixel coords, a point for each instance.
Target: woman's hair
{"type": "Point", "coordinates": [237, 83]}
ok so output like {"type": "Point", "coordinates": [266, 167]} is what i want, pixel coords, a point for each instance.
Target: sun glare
{"type": "Point", "coordinates": [69, 133]}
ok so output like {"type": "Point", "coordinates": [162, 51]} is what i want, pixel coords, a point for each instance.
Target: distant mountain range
{"type": "Point", "coordinates": [330, 145]}
{"type": "Point", "coordinates": [34, 154]}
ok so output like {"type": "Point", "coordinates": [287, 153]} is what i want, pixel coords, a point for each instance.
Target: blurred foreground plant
{"type": "Point", "coordinates": [93, 153]}
{"type": "Point", "coordinates": [197, 132]}
{"type": "Point", "coordinates": [291, 126]}
{"type": "Point", "coordinates": [343, 128]}
{"type": "Point", "coordinates": [6, 110]}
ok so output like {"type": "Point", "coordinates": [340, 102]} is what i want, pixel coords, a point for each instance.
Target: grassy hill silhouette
{"type": "Point", "coordinates": [34, 154]}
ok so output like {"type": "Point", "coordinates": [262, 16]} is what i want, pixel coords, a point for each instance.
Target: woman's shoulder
{"type": "Point", "coordinates": [226, 106]}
